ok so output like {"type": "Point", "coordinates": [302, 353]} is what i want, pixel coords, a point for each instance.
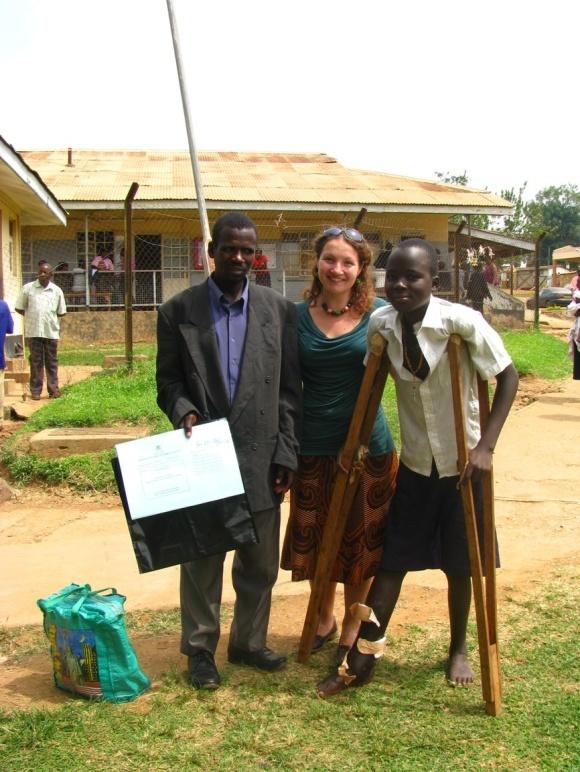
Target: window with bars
{"type": "Point", "coordinates": [11, 246]}
{"type": "Point", "coordinates": [176, 257]}
{"type": "Point", "coordinates": [99, 243]}
{"type": "Point", "coordinates": [295, 251]}
{"type": "Point", "coordinates": [27, 257]}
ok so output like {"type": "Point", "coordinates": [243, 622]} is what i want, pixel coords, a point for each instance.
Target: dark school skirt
{"type": "Point", "coordinates": [426, 526]}
{"type": "Point", "coordinates": [362, 544]}
{"type": "Point", "coordinates": [576, 367]}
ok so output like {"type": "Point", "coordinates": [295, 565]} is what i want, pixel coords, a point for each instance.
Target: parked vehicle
{"type": "Point", "coordinates": [551, 296]}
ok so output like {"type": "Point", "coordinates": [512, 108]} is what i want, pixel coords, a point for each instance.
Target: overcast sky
{"type": "Point", "coordinates": [404, 87]}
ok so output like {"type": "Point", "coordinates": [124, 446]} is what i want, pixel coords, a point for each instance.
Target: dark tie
{"type": "Point", "coordinates": [413, 359]}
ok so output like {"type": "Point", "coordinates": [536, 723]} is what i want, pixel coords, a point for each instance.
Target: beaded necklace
{"type": "Point", "coordinates": [338, 311]}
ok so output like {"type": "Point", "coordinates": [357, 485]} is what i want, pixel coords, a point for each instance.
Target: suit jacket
{"type": "Point", "coordinates": [265, 414]}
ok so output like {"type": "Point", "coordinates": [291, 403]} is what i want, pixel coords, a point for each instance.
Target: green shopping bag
{"type": "Point", "coordinates": [91, 652]}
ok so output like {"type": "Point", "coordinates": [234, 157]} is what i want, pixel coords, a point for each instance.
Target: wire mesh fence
{"type": "Point", "coordinates": [89, 261]}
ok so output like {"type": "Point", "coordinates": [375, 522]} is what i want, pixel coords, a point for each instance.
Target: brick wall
{"type": "Point", "coordinates": [106, 327]}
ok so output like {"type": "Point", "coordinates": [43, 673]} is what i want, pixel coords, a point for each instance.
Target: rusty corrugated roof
{"type": "Point", "coordinates": [261, 178]}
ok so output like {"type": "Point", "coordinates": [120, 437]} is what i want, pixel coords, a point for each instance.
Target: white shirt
{"type": "Point", "coordinates": [42, 306]}
{"type": "Point", "coordinates": [426, 407]}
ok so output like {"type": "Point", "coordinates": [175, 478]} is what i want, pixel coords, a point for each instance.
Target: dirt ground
{"type": "Point", "coordinates": [49, 538]}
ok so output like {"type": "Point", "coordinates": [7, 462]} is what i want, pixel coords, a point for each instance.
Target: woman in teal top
{"type": "Point", "coordinates": [332, 334]}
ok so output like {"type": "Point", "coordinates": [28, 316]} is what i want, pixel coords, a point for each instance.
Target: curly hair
{"type": "Point", "coordinates": [363, 291]}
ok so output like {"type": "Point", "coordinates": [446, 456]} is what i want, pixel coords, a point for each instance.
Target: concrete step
{"type": "Point", "coordinates": [12, 388]}
{"type": "Point", "coordinates": [16, 365]}
{"type": "Point", "coordinates": [54, 443]}
{"type": "Point", "coordinates": [20, 376]}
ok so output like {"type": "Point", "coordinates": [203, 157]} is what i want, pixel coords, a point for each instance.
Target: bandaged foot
{"type": "Point", "coordinates": [358, 666]}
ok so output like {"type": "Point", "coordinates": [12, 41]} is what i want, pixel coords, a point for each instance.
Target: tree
{"type": "Point", "coordinates": [518, 223]}
{"type": "Point", "coordinates": [477, 220]}
{"type": "Point", "coordinates": [555, 210]}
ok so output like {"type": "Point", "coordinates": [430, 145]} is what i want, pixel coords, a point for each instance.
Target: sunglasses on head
{"type": "Point", "coordinates": [349, 233]}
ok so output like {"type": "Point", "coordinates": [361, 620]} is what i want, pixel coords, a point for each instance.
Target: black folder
{"type": "Point", "coordinates": [187, 534]}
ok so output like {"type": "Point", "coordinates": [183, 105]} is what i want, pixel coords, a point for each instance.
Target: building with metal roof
{"type": "Point", "coordinates": [290, 196]}
{"type": "Point", "coordinates": [25, 200]}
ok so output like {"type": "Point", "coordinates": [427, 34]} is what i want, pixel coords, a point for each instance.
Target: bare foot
{"type": "Point", "coordinates": [458, 670]}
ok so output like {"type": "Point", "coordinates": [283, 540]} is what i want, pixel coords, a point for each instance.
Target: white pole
{"type": "Point", "coordinates": [192, 151]}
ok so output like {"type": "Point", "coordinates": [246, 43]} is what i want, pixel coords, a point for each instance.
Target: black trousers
{"type": "Point", "coordinates": [42, 355]}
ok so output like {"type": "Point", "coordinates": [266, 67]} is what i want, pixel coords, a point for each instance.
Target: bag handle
{"type": "Point", "coordinates": [83, 588]}
{"type": "Point", "coordinates": [87, 594]}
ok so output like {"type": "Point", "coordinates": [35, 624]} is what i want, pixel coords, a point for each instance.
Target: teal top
{"type": "Point", "coordinates": [332, 372]}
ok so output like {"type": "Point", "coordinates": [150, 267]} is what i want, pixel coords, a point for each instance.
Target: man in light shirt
{"type": "Point", "coordinates": [42, 303]}
{"type": "Point", "coordinates": [425, 527]}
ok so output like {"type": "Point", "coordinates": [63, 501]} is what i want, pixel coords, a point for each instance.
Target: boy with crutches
{"type": "Point", "coordinates": [426, 527]}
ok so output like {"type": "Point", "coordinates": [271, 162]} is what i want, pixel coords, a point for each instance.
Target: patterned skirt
{"type": "Point", "coordinates": [362, 544]}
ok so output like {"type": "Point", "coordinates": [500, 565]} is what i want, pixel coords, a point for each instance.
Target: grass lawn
{"type": "Point", "coordinates": [407, 719]}
{"type": "Point", "coordinates": [538, 353]}
{"type": "Point", "coordinates": [121, 396]}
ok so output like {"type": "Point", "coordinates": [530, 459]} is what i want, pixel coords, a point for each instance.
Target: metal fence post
{"type": "Point", "coordinates": [129, 273]}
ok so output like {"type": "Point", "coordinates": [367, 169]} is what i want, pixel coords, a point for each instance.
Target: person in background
{"type": "Point", "coordinates": [42, 304]}
{"type": "Point", "coordinates": [102, 261]}
{"type": "Point", "coordinates": [6, 327]}
{"type": "Point", "coordinates": [260, 269]}
{"type": "Point", "coordinates": [332, 329]}
{"type": "Point", "coordinates": [490, 272]}
{"type": "Point", "coordinates": [101, 280]}
{"type": "Point", "coordinates": [575, 283]}
{"type": "Point", "coordinates": [477, 289]}
{"type": "Point", "coordinates": [574, 334]}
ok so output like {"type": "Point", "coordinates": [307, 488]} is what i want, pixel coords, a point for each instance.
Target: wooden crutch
{"type": "Point", "coordinates": [350, 464]}
{"type": "Point", "coordinates": [484, 596]}
{"type": "Point", "coordinates": [489, 544]}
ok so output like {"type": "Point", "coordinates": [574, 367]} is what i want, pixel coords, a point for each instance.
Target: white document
{"type": "Point", "coordinates": [170, 471]}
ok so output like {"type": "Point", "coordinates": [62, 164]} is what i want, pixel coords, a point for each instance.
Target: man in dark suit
{"type": "Point", "coordinates": [228, 349]}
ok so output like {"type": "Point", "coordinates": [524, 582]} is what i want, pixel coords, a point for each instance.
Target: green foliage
{"type": "Point", "coordinates": [406, 719]}
{"type": "Point", "coordinates": [517, 224]}
{"type": "Point", "coordinates": [389, 402]}
{"type": "Point", "coordinates": [556, 210]}
{"type": "Point", "coordinates": [94, 354]}
{"type": "Point", "coordinates": [477, 220]}
{"type": "Point", "coordinates": [108, 398]}
{"type": "Point", "coordinates": [538, 353]}
{"type": "Point", "coordinates": [88, 472]}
